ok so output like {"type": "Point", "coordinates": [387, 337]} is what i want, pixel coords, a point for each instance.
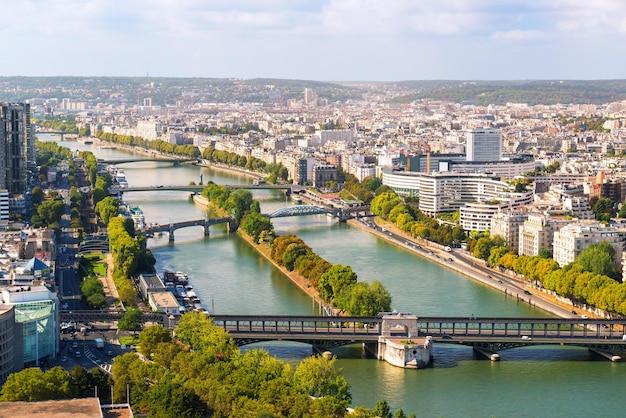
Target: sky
{"type": "Point", "coordinates": [324, 40]}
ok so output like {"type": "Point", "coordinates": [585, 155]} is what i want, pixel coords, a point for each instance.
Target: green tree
{"type": "Point", "coordinates": [598, 258]}
{"type": "Point", "coordinates": [334, 280]}
{"type": "Point", "coordinates": [150, 337]}
{"type": "Point", "coordinates": [107, 208]}
{"type": "Point", "coordinates": [317, 376]}
{"type": "Point", "coordinates": [131, 321]}
{"type": "Point", "coordinates": [382, 409]}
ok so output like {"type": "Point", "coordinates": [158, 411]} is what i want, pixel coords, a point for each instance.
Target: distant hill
{"type": "Point", "coordinates": [168, 90]}
{"type": "Point", "coordinates": [501, 92]}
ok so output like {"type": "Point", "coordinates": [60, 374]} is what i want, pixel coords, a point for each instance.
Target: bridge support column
{"type": "Point", "coordinates": [206, 228]}
{"type": "Point", "coordinates": [171, 233]}
{"type": "Point", "coordinates": [489, 355]}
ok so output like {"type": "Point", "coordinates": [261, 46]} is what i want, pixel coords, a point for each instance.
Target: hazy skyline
{"type": "Point", "coordinates": [329, 40]}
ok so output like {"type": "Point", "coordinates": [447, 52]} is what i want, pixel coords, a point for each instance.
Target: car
{"type": "Point", "coordinates": [446, 337]}
{"type": "Point", "coordinates": [527, 292]}
{"type": "Point", "coordinates": [499, 281]}
{"type": "Point", "coordinates": [77, 354]}
{"type": "Point", "coordinates": [489, 277]}
{"type": "Point", "coordinates": [63, 359]}
{"type": "Point", "coordinates": [584, 317]}
{"type": "Point", "coordinates": [110, 353]}
{"type": "Point", "coordinates": [75, 345]}
{"type": "Point", "coordinates": [526, 338]}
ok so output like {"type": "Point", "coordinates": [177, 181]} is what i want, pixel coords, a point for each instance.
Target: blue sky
{"type": "Point", "coordinates": [327, 40]}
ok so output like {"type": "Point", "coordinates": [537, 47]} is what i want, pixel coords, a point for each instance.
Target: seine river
{"type": "Point", "coordinates": [230, 276]}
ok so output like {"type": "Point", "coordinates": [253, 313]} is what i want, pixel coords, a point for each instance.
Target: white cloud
{"type": "Point", "coordinates": [520, 35]}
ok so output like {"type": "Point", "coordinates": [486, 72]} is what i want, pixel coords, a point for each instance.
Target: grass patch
{"type": "Point", "coordinates": [130, 340]}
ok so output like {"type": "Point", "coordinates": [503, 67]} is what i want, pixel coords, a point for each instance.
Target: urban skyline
{"type": "Point", "coordinates": [340, 40]}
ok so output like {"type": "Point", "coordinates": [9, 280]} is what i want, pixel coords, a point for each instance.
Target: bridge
{"type": "Point", "coordinates": [388, 334]}
{"type": "Point", "coordinates": [342, 213]}
{"type": "Point", "coordinates": [195, 188]}
{"type": "Point", "coordinates": [175, 161]}
{"type": "Point", "coordinates": [62, 133]}
{"type": "Point", "coordinates": [205, 223]}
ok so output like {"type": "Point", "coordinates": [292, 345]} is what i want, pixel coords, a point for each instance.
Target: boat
{"type": "Point", "coordinates": [136, 214]}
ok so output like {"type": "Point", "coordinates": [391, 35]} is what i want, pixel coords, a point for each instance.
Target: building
{"type": "Point", "coordinates": [36, 321]}
{"type": "Point", "coordinates": [537, 232]}
{"type": "Point", "coordinates": [483, 145]}
{"type": "Point", "coordinates": [507, 223]}
{"type": "Point", "coordinates": [572, 239]}
{"type": "Point", "coordinates": [445, 191]}
{"type": "Point", "coordinates": [7, 341]}
{"type": "Point", "coordinates": [304, 170]}
{"type": "Point", "coordinates": [150, 283]}
{"type": "Point", "coordinates": [322, 174]}
{"type": "Point", "coordinates": [4, 207]}
{"type": "Point", "coordinates": [164, 302]}
{"type": "Point", "coordinates": [17, 149]}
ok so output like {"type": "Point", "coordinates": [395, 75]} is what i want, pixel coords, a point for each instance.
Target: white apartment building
{"type": "Point", "coordinates": [148, 129]}
{"type": "Point", "coordinates": [361, 171]}
{"type": "Point", "coordinates": [572, 239]}
{"type": "Point", "coordinates": [537, 232]}
{"type": "Point", "coordinates": [483, 145]}
{"type": "Point", "coordinates": [507, 223]}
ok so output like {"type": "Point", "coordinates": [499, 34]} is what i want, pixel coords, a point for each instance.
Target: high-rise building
{"type": "Point", "coordinates": [483, 145]}
{"type": "Point", "coordinates": [17, 147]}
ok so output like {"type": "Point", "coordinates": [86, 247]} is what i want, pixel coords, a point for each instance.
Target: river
{"type": "Point", "coordinates": [230, 276]}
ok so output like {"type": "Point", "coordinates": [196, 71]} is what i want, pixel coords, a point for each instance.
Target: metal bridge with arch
{"type": "Point", "coordinates": [300, 210]}
{"type": "Point", "coordinates": [343, 213]}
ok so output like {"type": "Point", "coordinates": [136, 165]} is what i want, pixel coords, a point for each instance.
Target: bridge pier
{"type": "Point", "coordinates": [171, 233]}
{"type": "Point", "coordinates": [489, 355]}
{"type": "Point", "coordinates": [206, 228]}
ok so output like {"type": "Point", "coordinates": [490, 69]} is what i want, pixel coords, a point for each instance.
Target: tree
{"type": "Point", "coordinates": [150, 337]}
{"type": "Point", "coordinates": [334, 280]}
{"type": "Point", "coordinates": [131, 321]}
{"type": "Point", "coordinates": [107, 208]}
{"type": "Point", "coordinates": [598, 258]}
{"type": "Point", "coordinates": [317, 376]}
{"type": "Point", "coordinates": [382, 409]}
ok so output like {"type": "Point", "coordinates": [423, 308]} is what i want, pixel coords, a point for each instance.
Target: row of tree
{"type": "Point", "coordinates": [336, 284]}
{"type": "Point", "coordinates": [408, 218]}
{"type": "Point", "coordinates": [275, 172]}
{"type": "Point", "coordinates": [591, 279]}
{"type": "Point", "coordinates": [201, 372]}
{"type": "Point", "coordinates": [187, 151]}
{"type": "Point", "coordinates": [125, 250]}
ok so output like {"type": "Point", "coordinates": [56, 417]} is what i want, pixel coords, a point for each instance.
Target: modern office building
{"type": "Point", "coordinates": [449, 191]}
{"type": "Point", "coordinates": [17, 147]}
{"type": "Point", "coordinates": [36, 323]}
{"type": "Point", "coordinates": [483, 145]}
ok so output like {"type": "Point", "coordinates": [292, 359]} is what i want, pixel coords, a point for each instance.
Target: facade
{"type": "Point", "coordinates": [507, 223]}
{"type": "Point", "coordinates": [572, 239]}
{"type": "Point", "coordinates": [322, 174]}
{"type": "Point", "coordinates": [7, 341]}
{"type": "Point", "coordinates": [36, 321]}
{"type": "Point", "coordinates": [4, 207]}
{"type": "Point", "coordinates": [537, 232]}
{"type": "Point", "coordinates": [17, 147]}
{"type": "Point", "coordinates": [444, 191]}
{"type": "Point", "coordinates": [477, 216]}
{"type": "Point", "coordinates": [361, 171]}
{"type": "Point", "coordinates": [483, 145]}
{"type": "Point", "coordinates": [304, 170]}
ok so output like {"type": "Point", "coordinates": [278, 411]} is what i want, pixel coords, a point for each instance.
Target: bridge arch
{"type": "Point", "coordinates": [298, 210]}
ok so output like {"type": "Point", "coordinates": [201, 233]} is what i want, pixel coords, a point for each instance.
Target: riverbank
{"type": "Point", "coordinates": [470, 267]}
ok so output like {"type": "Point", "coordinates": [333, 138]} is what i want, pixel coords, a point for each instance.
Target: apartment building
{"type": "Point", "coordinates": [507, 223]}
{"type": "Point", "coordinates": [537, 232]}
{"type": "Point", "coordinates": [572, 239]}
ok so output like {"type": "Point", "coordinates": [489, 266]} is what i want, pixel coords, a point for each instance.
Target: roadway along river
{"type": "Point", "coordinates": [226, 272]}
